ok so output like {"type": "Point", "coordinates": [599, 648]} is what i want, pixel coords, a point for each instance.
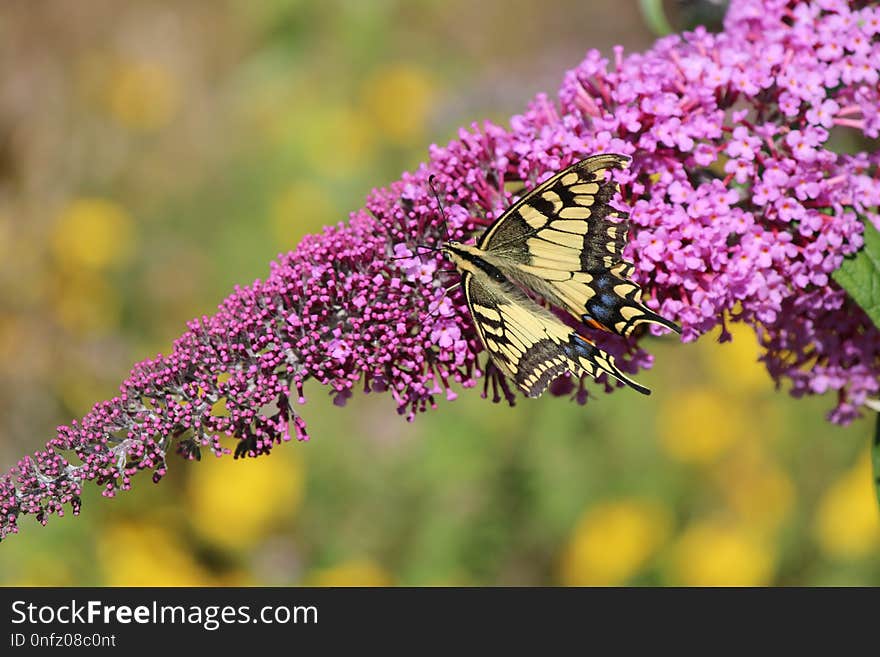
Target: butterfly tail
{"type": "Point", "coordinates": [648, 316]}
{"type": "Point", "coordinates": [586, 357]}
{"type": "Point", "coordinates": [616, 305]}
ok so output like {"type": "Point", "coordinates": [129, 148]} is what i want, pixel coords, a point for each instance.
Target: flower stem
{"type": "Point", "coordinates": [655, 17]}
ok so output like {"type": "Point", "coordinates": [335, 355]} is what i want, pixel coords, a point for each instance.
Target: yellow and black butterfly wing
{"type": "Point", "coordinates": [527, 343]}
{"type": "Point", "coordinates": [568, 202]}
{"type": "Point", "coordinates": [564, 241]}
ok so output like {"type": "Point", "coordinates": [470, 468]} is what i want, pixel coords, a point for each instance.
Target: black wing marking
{"type": "Point", "coordinates": [567, 216]}
{"type": "Point", "coordinates": [609, 301]}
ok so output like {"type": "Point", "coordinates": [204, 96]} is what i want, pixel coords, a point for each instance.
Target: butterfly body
{"type": "Point", "coordinates": [562, 242]}
{"type": "Point", "coordinates": [528, 343]}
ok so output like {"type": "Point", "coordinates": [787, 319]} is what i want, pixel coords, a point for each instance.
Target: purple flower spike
{"type": "Point", "coordinates": [740, 211]}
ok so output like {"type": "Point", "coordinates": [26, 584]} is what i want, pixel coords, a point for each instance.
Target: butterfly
{"type": "Point", "coordinates": [562, 242]}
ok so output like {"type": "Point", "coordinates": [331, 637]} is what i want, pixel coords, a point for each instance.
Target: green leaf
{"type": "Point", "coordinates": [655, 17]}
{"type": "Point", "coordinates": [860, 275]}
{"type": "Point", "coordinates": [875, 458]}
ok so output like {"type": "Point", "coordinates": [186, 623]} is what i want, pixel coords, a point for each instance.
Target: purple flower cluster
{"type": "Point", "coordinates": [740, 211]}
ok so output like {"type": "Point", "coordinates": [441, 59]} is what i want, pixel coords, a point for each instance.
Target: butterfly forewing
{"type": "Point", "coordinates": [564, 241]}
{"type": "Point", "coordinates": [558, 214]}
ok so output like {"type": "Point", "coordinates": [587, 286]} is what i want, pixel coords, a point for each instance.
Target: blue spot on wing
{"type": "Point", "coordinates": [602, 312]}
{"type": "Point", "coordinates": [578, 347]}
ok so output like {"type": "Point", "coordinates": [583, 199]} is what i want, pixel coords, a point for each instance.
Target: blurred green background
{"type": "Point", "coordinates": [155, 153]}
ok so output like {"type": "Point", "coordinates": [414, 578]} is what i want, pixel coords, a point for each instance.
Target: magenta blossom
{"type": "Point", "coordinates": [740, 211]}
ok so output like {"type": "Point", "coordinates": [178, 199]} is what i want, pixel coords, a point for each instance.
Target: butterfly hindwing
{"type": "Point", "coordinates": [613, 302]}
{"type": "Point", "coordinates": [565, 241]}
{"type": "Point", "coordinates": [529, 344]}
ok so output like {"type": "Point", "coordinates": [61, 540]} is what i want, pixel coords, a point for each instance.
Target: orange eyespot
{"type": "Point", "coordinates": [587, 340]}
{"type": "Point", "coordinates": [592, 323]}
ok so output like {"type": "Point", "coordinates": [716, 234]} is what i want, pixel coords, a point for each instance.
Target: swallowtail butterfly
{"type": "Point", "coordinates": [561, 241]}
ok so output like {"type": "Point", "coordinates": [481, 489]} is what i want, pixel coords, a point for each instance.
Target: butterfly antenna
{"type": "Point", "coordinates": [427, 249]}
{"type": "Point", "coordinates": [440, 204]}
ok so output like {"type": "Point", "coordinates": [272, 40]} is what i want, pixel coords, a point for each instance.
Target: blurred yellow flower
{"type": "Point", "coordinates": [356, 572]}
{"type": "Point", "coordinates": [716, 553]}
{"type": "Point", "coordinates": [235, 503]}
{"type": "Point", "coordinates": [757, 490]}
{"type": "Point", "coordinates": [734, 365]}
{"type": "Point", "coordinates": [613, 541]}
{"type": "Point", "coordinates": [93, 233]}
{"type": "Point", "coordinates": [300, 208]}
{"type": "Point", "coordinates": [398, 99]}
{"type": "Point", "coordinates": [145, 554]}
{"type": "Point", "coordinates": [143, 95]}
{"type": "Point", "coordinates": [698, 426]}
{"type": "Point", "coordinates": [847, 524]}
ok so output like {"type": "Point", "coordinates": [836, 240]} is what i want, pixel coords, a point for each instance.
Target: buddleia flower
{"type": "Point", "coordinates": [740, 211]}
